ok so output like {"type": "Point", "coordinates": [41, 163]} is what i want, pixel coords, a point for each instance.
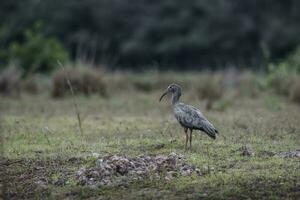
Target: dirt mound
{"type": "Point", "coordinates": [115, 169]}
{"type": "Point", "coordinates": [290, 154]}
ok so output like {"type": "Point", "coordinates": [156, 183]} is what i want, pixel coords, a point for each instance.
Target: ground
{"type": "Point", "coordinates": [43, 148]}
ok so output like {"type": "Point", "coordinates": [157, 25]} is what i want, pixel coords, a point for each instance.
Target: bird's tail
{"type": "Point", "coordinates": [209, 129]}
{"type": "Point", "coordinates": [212, 132]}
{"type": "Point", "coordinates": [212, 135]}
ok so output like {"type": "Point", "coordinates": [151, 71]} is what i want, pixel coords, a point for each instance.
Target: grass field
{"type": "Point", "coordinates": [43, 147]}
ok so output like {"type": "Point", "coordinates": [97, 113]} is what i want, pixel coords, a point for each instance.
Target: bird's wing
{"type": "Point", "coordinates": [193, 118]}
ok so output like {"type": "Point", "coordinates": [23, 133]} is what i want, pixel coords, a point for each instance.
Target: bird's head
{"type": "Point", "coordinates": [172, 89]}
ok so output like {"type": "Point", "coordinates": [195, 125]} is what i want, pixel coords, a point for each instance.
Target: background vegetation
{"type": "Point", "coordinates": [140, 34]}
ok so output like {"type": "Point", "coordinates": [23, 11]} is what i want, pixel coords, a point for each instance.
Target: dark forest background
{"type": "Point", "coordinates": [141, 34]}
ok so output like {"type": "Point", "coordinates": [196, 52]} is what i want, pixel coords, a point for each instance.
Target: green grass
{"type": "Point", "coordinates": [41, 141]}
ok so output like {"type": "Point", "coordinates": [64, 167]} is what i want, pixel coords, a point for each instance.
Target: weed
{"type": "Point", "coordinates": [84, 81]}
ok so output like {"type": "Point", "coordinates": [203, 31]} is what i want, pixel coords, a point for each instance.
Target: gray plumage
{"type": "Point", "coordinates": [188, 116]}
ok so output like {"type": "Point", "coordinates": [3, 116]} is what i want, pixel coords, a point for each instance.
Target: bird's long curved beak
{"type": "Point", "coordinates": [162, 96]}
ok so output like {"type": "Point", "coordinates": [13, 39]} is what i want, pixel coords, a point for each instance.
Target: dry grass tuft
{"type": "Point", "coordinates": [84, 81]}
{"type": "Point", "coordinates": [247, 85]}
{"type": "Point", "coordinates": [211, 88]}
{"type": "Point", "coordinates": [143, 85]}
{"type": "Point", "coordinates": [10, 82]}
{"type": "Point", "coordinates": [281, 86]}
{"type": "Point", "coordinates": [30, 85]}
{"type": "Point", "coordinates": [295, 91]}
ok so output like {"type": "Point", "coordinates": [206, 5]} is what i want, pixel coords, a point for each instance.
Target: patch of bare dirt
{"type": "Point", "coordinates": [115, 169]}
{"type": "Point", "coordinates": [289, 154]}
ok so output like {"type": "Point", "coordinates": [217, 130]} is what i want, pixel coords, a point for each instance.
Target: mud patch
{"type": "Point", "coordinates": [117, 170]}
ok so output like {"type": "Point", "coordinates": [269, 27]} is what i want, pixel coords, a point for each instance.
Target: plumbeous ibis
{"type": "Point", "coordinates": [189, 117]}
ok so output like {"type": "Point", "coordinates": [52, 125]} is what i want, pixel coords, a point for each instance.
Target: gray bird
{"type": "Point", "coordinates": [188, 116]}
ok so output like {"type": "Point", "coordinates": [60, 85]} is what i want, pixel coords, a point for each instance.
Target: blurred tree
{"type": "Point", "coordinates": [37, 53]}
{"type": "Point", "coordinates": [135, 33]}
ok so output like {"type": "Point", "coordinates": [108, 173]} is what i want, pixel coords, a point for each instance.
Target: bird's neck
{"type": "Point", "coordinates": [175, 98]}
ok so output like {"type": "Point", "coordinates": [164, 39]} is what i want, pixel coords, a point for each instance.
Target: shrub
{"type": "Point", "coordinates": [143, 85]}
{"type": "Point", "coordinates": [248, 85]}
{"type": "Point", "coordinates": [279, 78]}
{"type": "Point", "coordinates": [37, 53]}
{"type": "Point", "coordinates": [293, 60]}
{"type": "Point", "coordinates": [211, 88]}
{"type": "Point", "coordinates": [147, 82]}
{"type": "Point", "coordinates": [295, 91]}
{"type": "Point", "coordinates": [83, 80]}
{"type": "Point", "coordinates": [162, 80]}
{"type": "Point", "coordinates": [30, 85]}
{"type": "Point", "coordinates": [10, 82]}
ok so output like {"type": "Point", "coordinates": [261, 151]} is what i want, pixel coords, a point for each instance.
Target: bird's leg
{"type": "Point", "coordinates": [191, 132]}
{"type": "Point", "coordinates": [186, 137]}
